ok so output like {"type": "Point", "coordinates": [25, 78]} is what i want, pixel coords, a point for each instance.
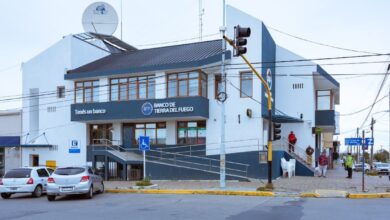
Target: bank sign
{"type": "Point", "coordinates": [141, 109]}
{"type": "Point", "coordinates": [164, 108]}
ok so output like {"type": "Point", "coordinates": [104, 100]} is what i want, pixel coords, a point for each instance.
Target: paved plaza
{"type": "Point", "coordinates": [335, 180]}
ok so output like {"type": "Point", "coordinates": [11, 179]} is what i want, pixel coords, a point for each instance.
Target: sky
{"type": "Point", "coordinates": [29, 27]}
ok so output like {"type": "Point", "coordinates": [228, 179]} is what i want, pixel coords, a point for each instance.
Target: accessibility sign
{"type": "Point", "coordinates": [353, 141]}
{"type": "Point", "coordinates": [144, 143]}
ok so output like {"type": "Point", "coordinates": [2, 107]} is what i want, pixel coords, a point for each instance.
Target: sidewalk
{"type": "Point", "coordinates": [335, 180]}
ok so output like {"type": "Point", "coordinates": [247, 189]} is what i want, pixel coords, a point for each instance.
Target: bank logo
{"type": "Point", "coordinates": [100, 9]}
{"type": "Point", "coordinates": [147, 108]}
{"type": "Point", "coordinates": [269, 78]}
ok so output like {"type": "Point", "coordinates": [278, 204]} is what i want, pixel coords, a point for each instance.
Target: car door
{"type": "Point", "coordinates": [43, 175]}
{"type": "Point", "coordinates": [93, 177]}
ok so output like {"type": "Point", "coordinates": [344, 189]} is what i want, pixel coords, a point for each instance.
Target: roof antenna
{"type": "Point", "coordinates": [201, 13]}
{"type": "Point", "coordinates": [121, 20]}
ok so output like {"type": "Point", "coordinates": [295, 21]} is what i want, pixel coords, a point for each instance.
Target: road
{"type": "Point", "coordinates": [142, 206]}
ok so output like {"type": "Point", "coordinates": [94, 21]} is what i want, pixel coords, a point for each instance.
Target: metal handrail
{"type": "Point", "coordinates": [210, 166]}
{"type": "Point", "coordinates": [210, 160]}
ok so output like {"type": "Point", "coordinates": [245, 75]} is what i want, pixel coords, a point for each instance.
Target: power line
{"type": "Point", "coordinates": [365, 108]}
{"type": "Point", "coordinates": [318, 43]}
{"type": "Point", "coordinates": [377, 95]}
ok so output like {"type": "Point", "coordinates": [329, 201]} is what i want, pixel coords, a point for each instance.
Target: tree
{"type": "Point", "coordinates": [381, 156]}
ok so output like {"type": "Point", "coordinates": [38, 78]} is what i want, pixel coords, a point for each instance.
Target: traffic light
{"type": "Point", "coordinates": [277, 130]}
{"type": "Point", "coordinates": [240, 35]}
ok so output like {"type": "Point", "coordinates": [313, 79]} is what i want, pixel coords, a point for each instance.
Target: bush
{"type": "Point", "coordinates": [144, 182]}
{"type": "Point", "coordinates": [372, 173]}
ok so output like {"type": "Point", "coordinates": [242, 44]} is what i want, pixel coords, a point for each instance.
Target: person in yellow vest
{"type": "Point", "coordinates": [348, 165]}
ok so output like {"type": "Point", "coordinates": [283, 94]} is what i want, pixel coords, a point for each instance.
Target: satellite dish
{"type": "Point", "coordinates": [100, 18]}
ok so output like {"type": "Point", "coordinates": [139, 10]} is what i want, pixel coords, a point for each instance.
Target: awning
{"type": "Point", "coordinates": [285, 119]}
{"type": "Point", "coordinates": [9, 141]}
{"type": "Point", "coordinates": [36, 145]}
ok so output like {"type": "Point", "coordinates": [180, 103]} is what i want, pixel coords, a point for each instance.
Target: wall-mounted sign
{"type": "Point", "coordinates": [195, 106]}
{"type": "Point", "coordinates": [89, 111]}
{"type": "Point", "coordinates": [74, 147]}
{"type": "Point", "coordinates": [164, 107]}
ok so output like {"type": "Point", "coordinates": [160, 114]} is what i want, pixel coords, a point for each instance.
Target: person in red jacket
{"type": "Point", "coordinates": [292, 140]}
{"type": "Point", "coordinates": [323, 162]}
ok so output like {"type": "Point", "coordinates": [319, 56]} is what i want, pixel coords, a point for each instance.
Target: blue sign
{"type": "Point", "coordinates": [144, 143]}
{"type": "Point", "coordinates": [74, 147]}
{"type": "Point", "coordinates": [147, 108]}
{"type": "Point", "coordinates": [369, 141]}
{"type": "Point", "coordinates": [353, 141]}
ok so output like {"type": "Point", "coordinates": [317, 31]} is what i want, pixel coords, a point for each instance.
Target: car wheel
{"type": "Point", "coordinates": [5, 195]}
{"type": "Point", "coordinates": [37, 192]}
{"type": "Point", "coordinates": [51, 198]}
{"type": "Point", "coordinates": [101, 190]}
{"type": "Point", "coordinates": [89, 194]}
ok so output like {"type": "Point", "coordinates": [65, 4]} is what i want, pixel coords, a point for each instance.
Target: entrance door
{"type": "Point", "coordinates": [128, 133]}
{"type": "Point", "coordinates": [34, 160]}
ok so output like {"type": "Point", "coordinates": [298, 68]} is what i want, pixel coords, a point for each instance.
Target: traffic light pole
{"type": "Point", "coordinates": [222, 151]}
{"type": "Point", "coordinates": [269, 105]}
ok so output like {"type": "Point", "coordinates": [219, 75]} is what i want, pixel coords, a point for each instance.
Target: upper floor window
{"type": "Point", "coordinates": [187, 84]}
{"type": "Point", "coordinates": [140, 87]}
{"type": "Point", "coordinates": [324, 100]}
{"type": "Point", "coordinates": [246, 84]}
{"type": "Point", "coordinates": [218, 85]}
{"type": "Point", "coordinates": [87, 91]}
{"type": "Point", "coordinates": [60, 92]}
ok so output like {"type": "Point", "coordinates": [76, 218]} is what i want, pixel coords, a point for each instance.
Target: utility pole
{"type": "Point", "coordinates": [357, 147]}
{"type": "Point", "coordinates": [222, 165]}
{"type": "Point", "coordinates": [372, 146]}
{"type": "Point", "coordinates": [363, 167]}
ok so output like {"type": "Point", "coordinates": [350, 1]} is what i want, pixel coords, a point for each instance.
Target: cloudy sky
{"type": "Point", "coordinates": [29, 27]}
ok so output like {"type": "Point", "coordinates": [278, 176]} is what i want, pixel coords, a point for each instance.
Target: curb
{"type": "Point", "coordinates": [192, 192]}
{"type": "Point", "coordinates": [368, 195]}
{"type": "Point", "coordinates": [245, 193]}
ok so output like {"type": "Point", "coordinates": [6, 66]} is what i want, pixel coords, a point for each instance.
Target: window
{"type": "Point", "coordinates": [155, 131]}
{"type": "Point", "coordinates": [18, 173]}
{"type": "Point", "coordinates": [218, 85]}
{"type": "Point", "coordinates": [187, 84]}
{"type": "Point", "coordinates": [42, 173]}
{"type": "Point", "coordinates": [60, 92]}
{"type": "Point", "coordinates": [297, 85]}
{"type": "Point", "coordinates": [100, 134]}
{"type": "Point", "coordinates": [87, 91]}
{"type": "Point", "coordinates": [69, 171]}
{"type": "Point", "coordinates": [193, 132]}
{"type": "Point", "coordinates": [246, 85]}
{"type": "Point", "coordinates": [141, 87]}
{"type": "Point", "coordinates": [324, 100]}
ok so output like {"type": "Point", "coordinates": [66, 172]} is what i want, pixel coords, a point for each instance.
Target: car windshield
{"type": "Point", "coordinates": [18, 173]}
{"type": "Point", "coordinates": [69, 171]}
{"type": "Point", "coordinates": [382, 165]}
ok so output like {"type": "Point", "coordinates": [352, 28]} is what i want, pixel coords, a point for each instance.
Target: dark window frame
{"type": "Point", "coordinates": [176, 80]}
{"type": "Point", "coordinates": [104, 127]}
{"type": "Point", "coordinates": [242, 95]}
{"type": "Point", "coordinates": [186, 127]}
{"type": "Point", "coordinates": [60, 92]}
{"type": "Point", "coordinates": [330, 98]}
{"type": "Point", "coordinates": [144, 128]}
{"type": "Point", "coordinates": [83, 88]}
{"type": "Point", "coordinates": [150, 79]}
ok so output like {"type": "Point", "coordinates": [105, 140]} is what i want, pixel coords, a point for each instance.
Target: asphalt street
{"type": "Point", "coordinates": [147, 206]}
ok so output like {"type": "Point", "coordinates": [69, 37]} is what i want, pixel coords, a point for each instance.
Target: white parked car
{"type": "Point", "coordinates": [25, 180]}
{"type": "Point", "coordinates": [383, 168]}
{"type": "Point", "coordinates": [358, 167]}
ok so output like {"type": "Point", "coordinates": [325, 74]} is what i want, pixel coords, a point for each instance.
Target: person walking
{"type": "Point", "coordinates": [292, 140]}
{"type": "Point", "coordinates": [348, 165]}
{"type": "Point", "coordinates": [323, 161]}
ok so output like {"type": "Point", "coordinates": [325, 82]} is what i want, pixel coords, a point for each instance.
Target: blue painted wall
{"type": "Point", "coordinates": [268, 58]}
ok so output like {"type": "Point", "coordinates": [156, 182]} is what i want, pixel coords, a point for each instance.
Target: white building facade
{"type": "Point", "coordinates": [93, 96]}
